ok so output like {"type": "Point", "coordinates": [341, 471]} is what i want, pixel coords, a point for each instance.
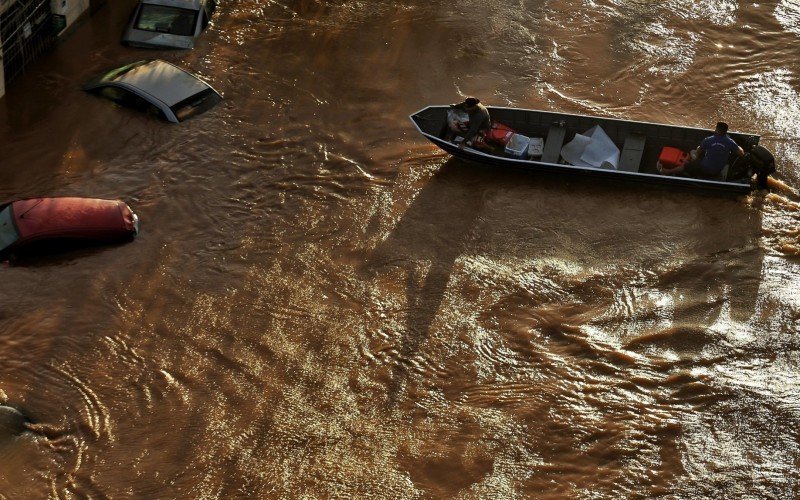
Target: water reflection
{"type": "Point", "coordinates": [518, 327]}
{"type": "Point", "coordinates": [787, 13]}
{"type": "Point", "coordinates": [320, 304]}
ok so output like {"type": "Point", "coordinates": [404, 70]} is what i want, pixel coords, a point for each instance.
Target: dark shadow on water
{"type": "Point", "coordinates": [464, 206]}
{"type": "Point", "coordinates": [425, 244]}
{"type": "Point", "coordinates": [60, 253]}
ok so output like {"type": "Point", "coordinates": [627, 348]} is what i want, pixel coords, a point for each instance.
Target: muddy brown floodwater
{"type": "Point", "coordinates": [321, 304]}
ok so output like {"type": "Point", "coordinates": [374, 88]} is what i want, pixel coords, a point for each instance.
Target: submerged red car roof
{"type": "Point", "coordinates": [70, 216]}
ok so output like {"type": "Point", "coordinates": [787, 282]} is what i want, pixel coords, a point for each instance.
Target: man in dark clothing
{"type": "Point", "coordinates": [762, 164]}
{"type": "Point", "coordinates": [479, 120]}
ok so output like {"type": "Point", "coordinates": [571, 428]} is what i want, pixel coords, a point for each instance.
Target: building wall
{"type": "Point", "coordinates": [70, 11]}
{"type": "Point", "coordinates": [3, 6]}
{"type": "Point", "coordinates": [2, 73]}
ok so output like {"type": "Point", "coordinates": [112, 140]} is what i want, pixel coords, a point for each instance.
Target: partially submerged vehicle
{"type": "Point", "coordinates": [156, 87]}
{"type": "Point", "coordinates": [168, 24]}
{"type": "Point", "coordinates": [36, 224]}
{"type": "Point", "coordinates": [640, 146]}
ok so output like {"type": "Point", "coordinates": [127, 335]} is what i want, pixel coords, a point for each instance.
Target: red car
{"type": "Point", "coordinates": [43, 222]}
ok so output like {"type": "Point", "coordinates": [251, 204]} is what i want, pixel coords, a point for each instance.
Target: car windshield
{"type": "Point", "coordinates": [198, 103]}
{"type": "Point", "coordinates": [8, 233]}
{"type": "Point", "coordinates": [170, 20]}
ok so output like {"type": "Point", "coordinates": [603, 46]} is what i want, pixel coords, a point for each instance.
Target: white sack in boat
{"type": "Point", "coordinates": [573, 150]}
{"type": "Point", "coordinates": [457, 120]}
{"type": "Point", "coordinates": [592, 149]}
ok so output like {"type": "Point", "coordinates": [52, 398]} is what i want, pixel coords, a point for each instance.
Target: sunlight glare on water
{"type": "Point", "coordinates": [322, 304]}
{"type": "Point", "coordinates": [787, 13]}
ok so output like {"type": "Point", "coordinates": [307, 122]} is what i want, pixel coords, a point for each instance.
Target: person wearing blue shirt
{"type": "Point", "coordinates": [715, 151]}
{"type": "Point", "coordinates": [711, 156]}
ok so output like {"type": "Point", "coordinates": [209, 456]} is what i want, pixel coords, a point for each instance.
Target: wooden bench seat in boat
{"type": "Point", "coordinates": [632, 151]}
{"type": "Point", "coordinates": [553, 143]}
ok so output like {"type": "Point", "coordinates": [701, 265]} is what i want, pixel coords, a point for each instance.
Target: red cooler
{"type": "Point", "coordinates": [499, 134]}
{"type": "Point", "coordinates": [672, 157]}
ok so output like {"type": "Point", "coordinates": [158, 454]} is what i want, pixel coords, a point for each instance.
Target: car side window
{"type": "Point", "coordinates": [196, 104]}
{"type": "Point", "coordinates": [114, 94]}
{"type": "Point", "coordinates": [130, 100]}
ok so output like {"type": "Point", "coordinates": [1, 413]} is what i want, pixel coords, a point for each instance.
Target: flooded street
{"type": "Point", "coordinates": [323, 304]}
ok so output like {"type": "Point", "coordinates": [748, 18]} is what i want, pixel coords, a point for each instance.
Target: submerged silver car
{"type": "Point", "coordinates": [156, 87]}
{"type": "Point", "coordinates": [168, 23]}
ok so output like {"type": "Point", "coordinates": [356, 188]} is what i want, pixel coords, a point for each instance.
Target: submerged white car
{"type": "Point", "coordinates": [156, 87]}
{"type": "Point", "coordinates": [171, 24]}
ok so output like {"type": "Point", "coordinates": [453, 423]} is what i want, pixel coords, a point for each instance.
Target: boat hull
{"type": "Point", "coordinates": [431, 123]}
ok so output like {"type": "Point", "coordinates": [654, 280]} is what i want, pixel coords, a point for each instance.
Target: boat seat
{"type": "Point", "coordinates": [553, 142]}
{"type": "Point", "coordinates": [632, 152]}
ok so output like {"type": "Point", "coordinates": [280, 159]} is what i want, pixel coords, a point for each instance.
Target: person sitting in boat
{"type": "Point", "coordinates": [711, 156]}
{"type": "Point", "coordinates": [479, 120]}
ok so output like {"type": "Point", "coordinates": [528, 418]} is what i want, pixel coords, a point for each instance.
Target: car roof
{"type": "Point", "coordinates": [183, 4]}
{"type": "Point", "coordinates": [39, 216]}
{"type": "Point", "coordinates": [160, 79]}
